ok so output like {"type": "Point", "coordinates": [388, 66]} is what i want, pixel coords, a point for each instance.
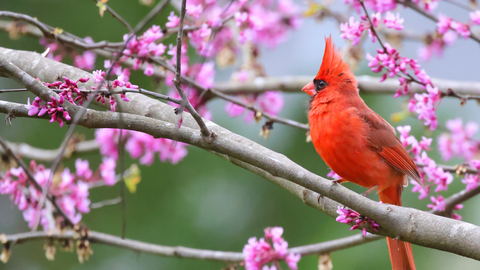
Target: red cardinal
{"type": "Point", "coordinates": [357, 143]}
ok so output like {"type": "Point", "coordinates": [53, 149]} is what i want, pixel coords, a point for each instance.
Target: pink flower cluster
{"type": "Point", "coordinates": [430, 173]}
{"type": "Point", "coordinates": [69, 90]}
{"type": "Point", "coordinates": [139, 145]}
{"type": "Point", "coordinates": [142, 48]}
{"type": "Point", "coordinates": [54, 108]}
{"type": "Point", "coordinates": [259, 23]}
{"type": "Point", "coordinates": [439, 205]}
{"type": "Point", "coordinates": [258, 253]}
{"type": "Point", "coordinates": [70, 190]}
{"type": "Point", "coordinates": [425, 105]}
{"type": "Point", "coordinates": [459, 142]}
{"type": "Point", "coordinates": [353, 30]}
{"type": "Point", "coordinates": [447, 32]}
{"type": "Point", "coordinates": [121, 81]}
{"type": "Point", "coordinates": [349, 216]}
{"type": "Point", "coordinates": [446, 23]}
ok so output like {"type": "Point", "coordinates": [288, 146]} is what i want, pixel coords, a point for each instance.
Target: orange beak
{"type": "Point", "coordinates": [309, 89]}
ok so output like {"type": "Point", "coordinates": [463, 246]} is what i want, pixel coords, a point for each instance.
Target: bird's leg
{"type": "Point", "coordinates": [365, 194]}
{"type": "Point", "coordinates": [339, 181]}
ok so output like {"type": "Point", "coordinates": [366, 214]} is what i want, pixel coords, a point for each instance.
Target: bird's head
{"type": "Point", "coordinates": [334, 73]}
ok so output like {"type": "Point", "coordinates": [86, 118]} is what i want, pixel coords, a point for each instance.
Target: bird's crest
{"type": "Point", "coordinates": [333, 68]}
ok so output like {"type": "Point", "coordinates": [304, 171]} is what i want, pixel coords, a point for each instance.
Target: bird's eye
{"type": "Point", "coordinates": [320, 84]}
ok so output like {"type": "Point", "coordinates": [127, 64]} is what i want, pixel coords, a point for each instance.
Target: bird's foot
{"type": "Point", "coordinates": [370, 190]}
{"type": "Point", "coordinates": [339, 181]}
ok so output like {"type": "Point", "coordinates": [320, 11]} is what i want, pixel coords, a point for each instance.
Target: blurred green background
{"type": "Point", "coordinates": [204, 201]}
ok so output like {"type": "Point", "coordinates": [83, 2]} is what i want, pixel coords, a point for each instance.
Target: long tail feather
{"type": "Point", "coordinates": [401, 254]}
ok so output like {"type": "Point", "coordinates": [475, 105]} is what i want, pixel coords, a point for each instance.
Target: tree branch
{"type": "Point", "coordinates": [31, 152]}
{"type": "Point", "coordinates": [366, 84]}
{"type": "Point", "coordinates": [116, 16]}
{"type": "Point", "coordinates": [185, 252]}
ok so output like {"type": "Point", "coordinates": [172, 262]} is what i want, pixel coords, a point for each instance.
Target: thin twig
{"type": "Point", "coordinates": [185, 102]}
{"type": "Point", "coordinates": [121, 160]}
{"type": "Point", "coordinates": [105, 203]}
{"type": "Point", "coordinates": [48, 32]}
{"type": "Point", "coordinates": [105, 91]}
{"type": "Point", "coordinates": [185, 252]}
{"type": "Point", "coordinates": [232, 99]}
{"type": "Point", "coordinates": [116, 16]}
{"type": "Point", "coordinates": [371, 26]}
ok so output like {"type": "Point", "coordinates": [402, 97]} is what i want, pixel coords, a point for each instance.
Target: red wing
{"type": "Point", "coordinates": [382, 139]}
{"type": "Point", "coordinates": [398, 158]}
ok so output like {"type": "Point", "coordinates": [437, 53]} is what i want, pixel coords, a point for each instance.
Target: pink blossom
{"type": "Point", "coordinates": [349, 216]}
{"type": "Point", "coordinates": [107, 171]}
{"type": "Point", "coordinates": [172, 151]}
{"type": "Point", "coordinates": [271, 102]}
{"type": "Point", "coordinates": [333, 175]}
{"type": "Point", "coordinates": [85, 61]}
{"type": "Point", "coordinates": [471, 180]}
{"type": "Point", "coordinates": [82, 203]}
{"type": "Point", "coordinates": [194, 10]}
{"type": "Point", "coordinates": [149, 71]}
{"type": "Point", "coordinates": [353, 30]}
{"type": "Point", "coordinates": [234, 109]}
{"type": "Point", "coordinates": [240, 18]}
{"type": "Point", "coordinates": [392, 21]}
{"type": "Point", "coordinates": [438, 203]}
{"type": "Point", "coordinates": [83, 168]}
{"type": "Point", "coordinates": [476, 164]}
{"type": "Point", "coordinates": [292, 260]}
{"type": "Point", "coordinates": [422, 190]}
{"type": "Point", "coordinates": [461, 28]}
{"type": "Point", "coordinates": [376, 18]}
{"type": "Point", "coordinates": [173, 20]}
{"type": "Point", "coordinates": [57, 112]}
{"type": "Point", "coordinates": [425, 106]}
{"type": "Point", "coordinates": [36, 107]}
{"type": "Point", "coordinates": [459, 142]}
{"type": "Point", "coordinates": [404, 132]}
{"type": "Point", "coordinates": [443, 23]}
{"type": "Point", "coordinates": [98, 76]}
{"type": "Point", "coordinates": [259, 252]}
{"type": "Point", "coordinates": [475, 16]}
